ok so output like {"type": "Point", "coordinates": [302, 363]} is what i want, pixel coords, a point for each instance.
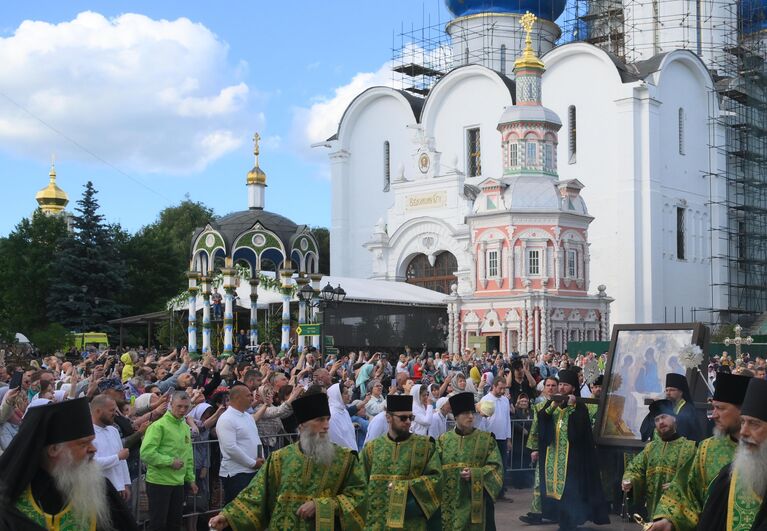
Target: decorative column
{"type": "Point", "coordinates": [544, 324]}
{"type": "Point", "coordinates": [316, 278]}
{"type": "Point", "coordinates": [285, 276]}
{"type": "Point", "coordinates": [450, 325]}
{"type": "Point", "coordinates": [192, 318]}
{"type": "Point", "coordinates": [253, 333]}
{"type": "Point", "coordinates": [536, 328]}
{"type": "Point", "coordinates": [228, 273]}
{"type": "Point", "coordinates": [301, 281]}
{"type": "Point", "coordinates": [205, 283]}
{"type": "Point", "coordinates": [530, 318]}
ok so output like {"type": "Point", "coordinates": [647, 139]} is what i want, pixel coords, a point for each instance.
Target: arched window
{"type": "Point", "coordinates": [503, 59]}
{"type": "Point", "coordinates": [681, 130]}
{"type": "Point", "coordinates": [386, 166]}
{"type": "Point", "coordinates": [436, 278]}
{"type": "Point", "coordinates": [572, 141]}
{"type": "Point", "coordinates": [466, 56]}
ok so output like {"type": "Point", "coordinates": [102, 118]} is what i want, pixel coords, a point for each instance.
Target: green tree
{"type": "Point", "coordinates": [51, 338]}
{"type": "Point", "coordinates": [158, 256]}
{"type": "Point", "coordinates": [27, 257]}
{"type": "Point", "coordinates": [89, 272]}
{"type": "Point", "coordinates": [322, 235]}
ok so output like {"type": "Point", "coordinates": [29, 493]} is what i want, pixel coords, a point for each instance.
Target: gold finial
{"type": "Point", "coordinates": [52, 173]}
{"type": "Point", "coordinates": [52, 199]}
{"type": "Point", "coordinates": [528, 58]}
{"type": "Point", "coordinates": [256, 175]}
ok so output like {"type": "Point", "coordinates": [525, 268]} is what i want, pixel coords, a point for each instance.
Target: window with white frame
{"type": "Point", "coordinates": [572, 141]}
{"type": "Point", "coordinates": [492, 264]}
{"type": "Point", "coordinates": [534, 262]}
{"type": "Point", "coordinates": [680, 236]}
{"type": "Point", "coordinates": [513, 154]}
{"type": "Point", "coordinates": [572, 265]}
{"type": "Point", "coordinates": [548, 156]}
{"type": "Point", "coordinates": [386, 166]}
{"type": "Point", "coordinates": [681, 130]}
{"type": "Point", "coordinates": [530, 155]}
{"type": "Point", "coordinates": [503, 59]}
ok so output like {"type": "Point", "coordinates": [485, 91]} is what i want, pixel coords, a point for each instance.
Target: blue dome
{"type": "Point", "coordinates": [753, 15]}
{"type": "Point", "coordinates": [545, 9]}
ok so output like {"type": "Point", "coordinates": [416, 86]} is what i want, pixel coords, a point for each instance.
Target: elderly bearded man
{"type": "Point", "coordinates": [652, 469]}
{"type": "Point", "coordinates": [312, 484]}
{"type": "Point", "coordinates": [681, 504]}
{"type": "Point", "coordinates": [403, 472]}
{"type": "Point", "coordinates": [736, 497]}
{"type": "Point", "coordinates": [472, 470]}
{"type": "Point", "coordinates": [50, 479]}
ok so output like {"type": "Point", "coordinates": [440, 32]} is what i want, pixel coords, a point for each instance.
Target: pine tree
{"type": "Point", "coordinates": [89, 271]}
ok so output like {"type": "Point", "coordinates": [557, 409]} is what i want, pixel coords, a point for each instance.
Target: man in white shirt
{"type": "Point", "coordinates": [110, 454]}
{"type": "Point", "coordinates": [499, 423]}
{"type": "Point", "coordinates": [239, 441]}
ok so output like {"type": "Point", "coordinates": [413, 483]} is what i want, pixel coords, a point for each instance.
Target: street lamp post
{"type": "Point", "coordinates": [330, 297]}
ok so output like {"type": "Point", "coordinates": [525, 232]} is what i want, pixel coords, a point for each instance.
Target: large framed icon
{"type": "Point", "coordinates": [639, 358]}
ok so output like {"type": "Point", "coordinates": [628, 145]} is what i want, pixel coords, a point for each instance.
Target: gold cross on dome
{"type": "Point", "coordinates": [527, 21]}
{"type": "Point", "coordinates": [256, 138]}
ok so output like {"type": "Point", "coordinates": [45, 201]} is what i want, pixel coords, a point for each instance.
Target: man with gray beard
{"type": "Point", "coordinates": [736, 496]}
{"type": "Point", "coordinates": [50, 479]}
{"type": "Point", "coordinates": [310, 485]}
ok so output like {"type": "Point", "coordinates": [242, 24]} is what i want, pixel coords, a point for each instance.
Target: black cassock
{"type": "Point", "coordinates": [582, 498]}
{"type": "Point", "coordinates": [687, 424]}
{"type": "Point", "coordinates": [714, 515]}
{"type": "Point", "coordinates": [51, 501]}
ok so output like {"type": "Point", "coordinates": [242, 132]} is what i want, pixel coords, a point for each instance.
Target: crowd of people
{"type": "Point", "coordinates": [288, 440]}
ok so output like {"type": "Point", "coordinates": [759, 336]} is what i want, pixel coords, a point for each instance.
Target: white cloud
{"type": "Point", "coordinates": [320, 120]}
{"type": "Point", "coordinates": [151, 95]}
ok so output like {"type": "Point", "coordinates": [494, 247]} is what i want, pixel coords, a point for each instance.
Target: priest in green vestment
{"type": "Point", "coordinates": [681, 504]}
{"type": "Point", "coordinates": [736, 500]}
{"type": "Point", "coordinates": [403, 472]}
{"type": "Point", "coordinates": [313, 484]}
{"type": "Point", "coordinates": [652, 469]}
{"type": "Point", "coordinates": [472, 470]}
{"type": "Point", "coordinates": [570, 484]}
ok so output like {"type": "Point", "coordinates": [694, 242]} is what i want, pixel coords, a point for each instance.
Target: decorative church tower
{"type": "Point", "coordinates": [256, 180]}
{"type": "Point", "coordinates": [52, 199]}
{"type": "Point", "coordinates": [529, 236]}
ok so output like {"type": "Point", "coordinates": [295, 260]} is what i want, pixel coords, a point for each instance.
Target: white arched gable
{"type": "Point", "coordinates": [492, 234]}
{"type": "Point", "coordinates": [536, 233]}
{"type": "Point", "coordinates": [567, 52]}
{"type": "Point", "coordinates": [361, 102]}
{"type": "Point", "coordinates": [573, 236]}
{"type": "Point", "coordinates": [452, 79]}
{"type": "Point", "coordinates": [692, 62]}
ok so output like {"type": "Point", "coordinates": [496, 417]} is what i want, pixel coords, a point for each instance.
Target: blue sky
{"type": "Point", "coordinates": [156, 100]}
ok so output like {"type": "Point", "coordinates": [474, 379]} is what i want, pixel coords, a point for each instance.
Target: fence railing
{"type": "Point", "coordinates": [209, 499]}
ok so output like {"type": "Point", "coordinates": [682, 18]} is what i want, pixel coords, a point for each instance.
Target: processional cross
{"type": "Point", "coordinates": [738, 341]}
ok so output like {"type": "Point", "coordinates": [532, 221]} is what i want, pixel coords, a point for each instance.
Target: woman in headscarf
{"type": "Point", "coordinates": [366, 372]}
{"type": "Point", "coordinates": [474, 374]}
{"type": "Point", "coordinates": [422, 410]}
{"type": "Point", "coordinates": [341, 427]}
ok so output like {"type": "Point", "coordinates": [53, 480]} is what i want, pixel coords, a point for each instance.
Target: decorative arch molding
{"type": "Point", "coordinates": [210, 241]}
{"type": "Point", "coordinates": [572, 235]}
{"type": "Point", "coordinates": [359, 104]}
{"type": "Point", "coordinates": [692, 62]}
{"type": "Point", "coordinates": [492, 234]}
{"type": "Point", "coordinates": [567, 51]}
{"type": "Point", "coordinates": [429, 236]}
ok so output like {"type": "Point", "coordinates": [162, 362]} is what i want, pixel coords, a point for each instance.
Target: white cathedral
{"type": "Point", "coordinates": [466, 188]}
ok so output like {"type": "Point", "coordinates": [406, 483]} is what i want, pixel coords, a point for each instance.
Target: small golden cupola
{"type": "Point", "coordinates": [256, 181]}
{"type": "Point", "coordinates": [52, 199]}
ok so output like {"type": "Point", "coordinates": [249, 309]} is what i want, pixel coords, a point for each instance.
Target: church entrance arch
{"type": "Point", "coordinates": [438, 277]}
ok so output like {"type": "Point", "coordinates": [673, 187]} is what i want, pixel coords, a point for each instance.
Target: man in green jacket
{"type": "Point", "coordinates": [167, 452]}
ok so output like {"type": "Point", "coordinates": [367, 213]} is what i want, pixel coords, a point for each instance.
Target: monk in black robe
{"type": "Point", "coordinates": [49, 479]}
{"type": "Point", "coordinates": [687, 421]}
{"type": "Point", "coordinates": [570, 485]}
{"type": "Point", "coordinates": [737, 498]}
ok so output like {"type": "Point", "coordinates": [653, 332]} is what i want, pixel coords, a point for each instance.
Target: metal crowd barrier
{"type": "Point", "coordinates": [209, 500]}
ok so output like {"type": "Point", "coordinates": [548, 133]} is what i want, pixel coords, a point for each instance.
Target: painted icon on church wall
{"type": "Point", "coordinates": [640, 356]}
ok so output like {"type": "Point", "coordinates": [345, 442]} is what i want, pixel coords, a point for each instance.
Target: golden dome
{"type": "Point", "coordinates": [256, 175]}
{"type": "Point", "coordinates": [52, 199]}
{"type": "Point", "coordinates": [528, 59]}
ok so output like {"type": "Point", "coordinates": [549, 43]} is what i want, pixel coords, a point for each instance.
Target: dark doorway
{"type": "Point", "coordinates": [493, 343]}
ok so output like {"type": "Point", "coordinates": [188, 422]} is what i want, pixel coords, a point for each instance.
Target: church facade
{"type": "Point", "coordinates": [433, 190]}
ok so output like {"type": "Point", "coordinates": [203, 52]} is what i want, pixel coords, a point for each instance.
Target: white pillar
{"type": "Point", "coordinates": [254, 310]}
{"type": "Point", "coordinates": [205, 315]}
{"type": "Point", "coordinates": [301, 281]}
{"type": "Point", "coordinates": [192, 307]}
{"type": "Point", "coordinates": [285, 276]}
{"type": "Point", "coordinates": [316, 278]}
{"type": "Point", "coordinates": [228, 273]}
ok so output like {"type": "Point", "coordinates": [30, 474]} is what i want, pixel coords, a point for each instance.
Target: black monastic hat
{"type": "Point", "coordinates": [677, 381]}
{"type": "Point", "coordinates": [310, 407]}
{"type": "Point", "coordinates": [730, 388]}
{"type": "Point", "coordinates": [396, 403]}
{"type": "Point", "coordinates": [755, 401]}
{"type": "Point", "coordinates": [599, 380]}
{"type": "Point", "coordinates": [42, 426]}
{"type": "Point", "coordinates": [461, 403]}
{"type": "Point", "coordinates": [662, 407]}
{"type": "Point", "coordinates": [569, 377]}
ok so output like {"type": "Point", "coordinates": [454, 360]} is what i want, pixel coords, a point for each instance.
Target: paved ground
{"type": "Point", "coordinates": [507, 516]}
